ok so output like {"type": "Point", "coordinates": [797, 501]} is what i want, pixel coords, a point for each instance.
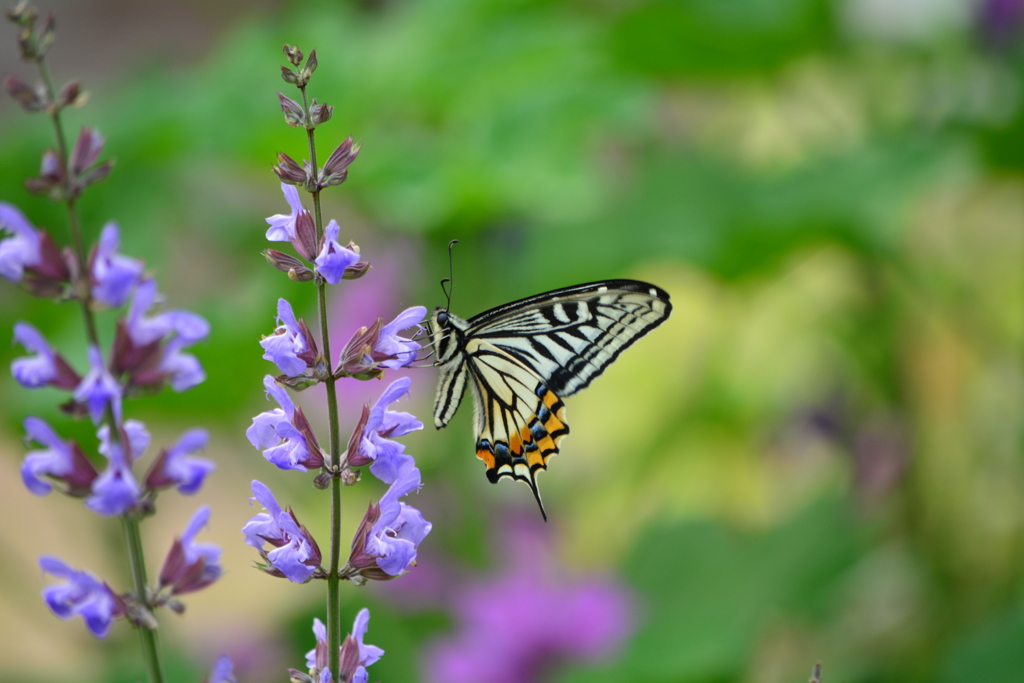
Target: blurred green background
{"type": "Point", "coordinates": [818, 457]}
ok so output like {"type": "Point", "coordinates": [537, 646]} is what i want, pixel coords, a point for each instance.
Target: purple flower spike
{"type": "Point", "coordinates": [82, 595]}
{"type": "Point", "coordinates": [99, 389]}
{"type": "Point", "coordinates": [290, 347]}
{"type": "Point", "coordinates": [370, 442]}
{"type": "Point", "coordinates": [402, 351]}
{"type": "Point", "coordinates": [334, 258]}
{"type": "Point", "coordinates": [62, 460]}
{"type": "Point", "coordinates": [113, 274]}
{"type": "Point", "coordinates": [174, 467]}
{"type": "Point", "coordinates": [20, 250]}
{"type": "Point", "coordinates": [47, 367]}
{"type": "Point", "coordinates": [191, 566]}
{"type": "Point", "coordinates": [296, 555]}
{"type": "Point", "coordinates": [115, 491]}
{"type": "Point", "coordinates": [223, 671]}
{"type": "Point", "coordinates": [282, 226]}
{"type": "Point", "coordinates": [284, 434]}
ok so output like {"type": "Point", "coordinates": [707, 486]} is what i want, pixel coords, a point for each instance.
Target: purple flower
{"type": "Point", "coordinates": [295, 555]}
{"type": "Point", "coordinates": [191, 566]}
{"type": "Point", "coordinates": [184, 369]}
{"type": "Point", "coordinates": [30, 256]}
{"type": "Point", "coordinates": [370, 443]}
{"type": "Point", "coordinates": [401, 351]}
{"type": "Point", "coordinates": [556, 620]}
{"type": "Point", "coordinates": [282, 227]}
{"type": "Point", "coordinates": [145, 329]}
{"type": "Point", "coordinates": [82, 595]}
{"type": "Point", "coordinates": [99, 389]}
{"type": "Point", "coordinates": [387, 539]}
{"type": "Point", "coordinates": [223, 671]}
{"type": "Point", "coordinates": [355, 655]}
{"type": "Point", "coordinates": [47, 367]}
{"type": "Point", "coordinates": [113, 274]}
{"type": "Point", "coordinates": [290, 347]}
{"type": "Point", "coordinates": [174, 467]}
{"type": "Point", "coordinates": [334, 258]}
{"type": "Point", "coordinates": [22, 249]}
{"type": "Point", "coordinates": [115, 491]}
{"type": "Point", "coordinates": [283, 434]}
{"type": "Point", "coordinates": [62, 460]}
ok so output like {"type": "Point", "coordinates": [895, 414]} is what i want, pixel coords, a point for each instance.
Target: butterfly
{"type": "Point", "coordinates": [521, 359]}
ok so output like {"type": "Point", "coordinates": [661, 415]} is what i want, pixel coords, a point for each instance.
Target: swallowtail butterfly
{"type": "Point", "coordinates": [521, 359]}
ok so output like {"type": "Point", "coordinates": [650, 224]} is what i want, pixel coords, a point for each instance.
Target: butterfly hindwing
{"type": "Point", "coordinates": [520, 359]}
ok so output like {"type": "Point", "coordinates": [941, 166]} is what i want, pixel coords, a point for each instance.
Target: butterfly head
{"type": "Point", "coordinates": [448, 333]}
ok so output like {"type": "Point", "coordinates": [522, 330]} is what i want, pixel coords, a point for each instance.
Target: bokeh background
{"type": "Point", "coordinates": [818, 457]}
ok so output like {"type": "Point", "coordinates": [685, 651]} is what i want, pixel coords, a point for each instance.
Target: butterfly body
{"type": "Point", "coordinates": [521, 359]}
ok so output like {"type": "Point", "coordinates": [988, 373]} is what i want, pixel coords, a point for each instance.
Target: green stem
{"type": "Point", "coordinates": [147, 637]}
{"type": "Point", "coordinates": [333, 582]}
{"type": "Point", "coordinates": [129, 527]}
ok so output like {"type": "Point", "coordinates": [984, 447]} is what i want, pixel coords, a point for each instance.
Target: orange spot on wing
{"type": "Point", "coordinates": [485, 455]}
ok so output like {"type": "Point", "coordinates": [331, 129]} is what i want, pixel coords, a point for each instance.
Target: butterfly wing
{"type": "Point", "coordinates": [569, 336]}
{"type": "Point", "coordinates": [520, 359]}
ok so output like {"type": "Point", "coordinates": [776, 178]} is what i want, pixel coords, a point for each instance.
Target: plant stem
{"type": "Point", "coordinates": [129, 527]}
{"type": "Point", "coordinates": [147, 637]}
{"type": "Point", "coordinates": [333, 582]}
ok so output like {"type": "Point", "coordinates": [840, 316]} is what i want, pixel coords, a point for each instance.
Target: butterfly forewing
{"type": "Point", "coordinates": [520, 359]}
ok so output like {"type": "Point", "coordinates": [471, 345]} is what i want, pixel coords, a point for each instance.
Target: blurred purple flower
{"type": "Point", "coordinates": [223, 671]}
{"type": "Point", "coordinates": [98, 389]}
{"type": "Point", "coordinates": [369, 443]}
{"type": "Point", "coordinates": [115, 491]}
{"type": "Point", "coordinates": [191, 566]}
{"type": "Point", "coordinates": [1002, 21]}
{"type": "Point", "coordinates": [82, 595]}
{"type": "Point", "coordinates": [47, 367]}
{"type": "Point", "coordinates": [145, 329]}
{"type": "Point", "coordinates": [402, 350]}
{"type": "Point", "coordinates": [30, 256]}
{"type": "Point", "coordinates": [355, 654]}
{"type": "Point", "coordinates": [555, 620]}
{"type": "Point", "coordinates": [387, 539]}
{"type": "Point", "coordinates": [22, 249]}
{"type": "Point", "coordinates": [62, 460]}
{"type": "Point", "coordinates": [113, 274]}
{"type": "Point", "coordinates": [283, 434]}
{"type": "Point", "coordinates": [174, 467]}
{"type": "Point", "coordinates": [334, 258]}
{"type": "Point", "coordinates": [290, 347]}
{"type": "Point", "coordinates": [282, 226]}
{"type": "Point", "coordinates": [296, 555]}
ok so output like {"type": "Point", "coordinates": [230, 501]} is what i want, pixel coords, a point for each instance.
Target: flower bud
{"type": "Point", "coordinates": [288, 170]}
{"type": "Point", "coordinates": [293, 53]}
{"type": "Point", "coordinates": [320, 113]}
{"type": "Point", "coordinates": [323, 480]}
{"type": "Point", "coordinates": [289, 76]}
{"type": "Point", "coordinates": [357, 271]}
{"type": "Point", "coordinates": [287, 263]}
{"type": "Point", "coordinates": [31, 99]}
{"type": "Point", "coordinates": [23, 14]}
{"type": "Point", "coordinates": [311, 62]}
{"type": "Point", "coordinates": [293, 114]}
{"type": "Point", "coordinates": [46, 34]}
{"type": "Point", "coordinates": [335, 170]}
{"type": "Point", "coordinates": [350, 477]}
{"type": "Point", "coordinates": [305, 241]}
{"type": "Point", "coordinates": [72, 95]}
{"type": "Point", "coordinates": [87, 149]}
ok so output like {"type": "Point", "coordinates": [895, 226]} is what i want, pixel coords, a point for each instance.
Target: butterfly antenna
{"type": "Point", "coordinates": [451, 276]}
